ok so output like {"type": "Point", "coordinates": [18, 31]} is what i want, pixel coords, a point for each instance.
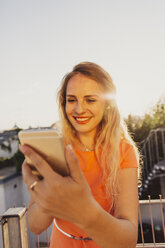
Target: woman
{"type": "Point", "coordinates": [97, 205]}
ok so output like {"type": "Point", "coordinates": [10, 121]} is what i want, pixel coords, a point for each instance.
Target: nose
{"type": "Point", "coordinates": [79, 108]}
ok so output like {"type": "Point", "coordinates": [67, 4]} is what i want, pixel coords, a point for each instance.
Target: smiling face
{"type": "Point", "coordinates": [84, 104]}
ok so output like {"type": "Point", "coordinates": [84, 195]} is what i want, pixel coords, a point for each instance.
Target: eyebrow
{"type": "Point", "coordinates": [84, 96]}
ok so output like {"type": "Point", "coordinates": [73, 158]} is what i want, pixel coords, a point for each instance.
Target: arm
{"type": "Point", "coordinates": [42, 220]}
{"type": "Point", "coordinates": [121, 229]}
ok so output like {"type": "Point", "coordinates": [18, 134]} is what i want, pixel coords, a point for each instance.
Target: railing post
{"type": "Point", "coordinates": [163, 142]}
{"type": "Point", "coordinates": [150, 157]}
{"type": "Point", "coordinates": [14, 229]}
{"type": "Point", "coordinates": [156, 142]}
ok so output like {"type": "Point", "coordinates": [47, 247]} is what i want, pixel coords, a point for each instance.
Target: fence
{"type": "Point", "coordinates": [151, 226]}
{"type": "Point", "coordinates": [153, 151]}
{"type": "Point", "coordinates": [151, 223]}
{"type": "Point", "coordinates": [14, 228]}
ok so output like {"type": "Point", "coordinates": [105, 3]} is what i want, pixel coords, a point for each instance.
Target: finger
{"type": "Point", "coordinates": [32, 181]}
{"type": "Point", "coordinates": [39, 163]}
{"type": "Point", "coordinates": [74, 166]}
{"type": "Point", "coordinates": [28, 177]}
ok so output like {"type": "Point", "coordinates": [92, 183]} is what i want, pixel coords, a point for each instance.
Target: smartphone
{"type": "Point", "coordinates": [49, 144]}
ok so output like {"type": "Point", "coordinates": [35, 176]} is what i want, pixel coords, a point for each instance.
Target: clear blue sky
{"type": "Point", "coordinates": [40, 41]}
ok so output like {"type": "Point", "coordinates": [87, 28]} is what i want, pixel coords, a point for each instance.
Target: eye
{"type": "Point", "coordinates": [71, 100]}
{"type": "Point", "coordinates": [90, 100]}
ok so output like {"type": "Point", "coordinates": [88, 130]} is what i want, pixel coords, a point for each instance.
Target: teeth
{"type": "Point", "coordinates": [82, 119]}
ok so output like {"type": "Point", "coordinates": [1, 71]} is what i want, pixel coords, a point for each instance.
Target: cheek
{"type": "Point", "coordinates": [99, 110]}
{"type": "Point", "coordinates": [68, 109]}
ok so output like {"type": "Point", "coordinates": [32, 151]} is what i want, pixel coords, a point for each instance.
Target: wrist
{"type": "Point", "coordinates": [91, 215]}
{"type": "Point", "coordinates": [41, 210]}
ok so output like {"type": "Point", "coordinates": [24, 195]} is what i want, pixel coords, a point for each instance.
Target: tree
{"type": "Point", "coordinates": [139, 127]}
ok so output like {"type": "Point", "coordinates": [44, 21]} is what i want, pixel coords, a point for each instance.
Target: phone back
{"type": "Point", "coordinates": [49, 144]}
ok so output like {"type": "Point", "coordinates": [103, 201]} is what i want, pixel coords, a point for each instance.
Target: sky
{"type": "Point", "coordinates": [41, 41]}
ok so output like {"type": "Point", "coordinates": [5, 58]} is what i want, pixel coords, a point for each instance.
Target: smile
{"type": "Point", "coordinates": [82, 120]}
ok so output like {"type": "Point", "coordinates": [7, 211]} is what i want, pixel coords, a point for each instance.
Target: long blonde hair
{"type": "Point", "coordinates": [112, 128]}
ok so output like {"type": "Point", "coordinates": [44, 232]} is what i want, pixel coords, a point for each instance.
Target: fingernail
{"type": "Point", "coordinates": [69, 147]}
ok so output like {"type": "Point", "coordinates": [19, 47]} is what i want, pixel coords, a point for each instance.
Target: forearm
{"type": "Point", "coordinates": [37, 220]}
{"type": "Point", "coordinates": [108, 231]}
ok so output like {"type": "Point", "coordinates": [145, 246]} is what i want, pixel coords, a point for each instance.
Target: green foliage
{"type": "Point", "coordinates": [15, 161]}
{"type": "Point", "coordinates": [139, 127]}
{"type": "Point", "coordinates": [18, 160]}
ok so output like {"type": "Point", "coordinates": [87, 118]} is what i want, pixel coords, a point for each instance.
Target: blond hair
{"type": "Point", "coordinates": [111, 130]}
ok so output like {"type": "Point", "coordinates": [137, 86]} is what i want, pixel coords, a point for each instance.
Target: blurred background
{"type": "Point", "coordinates": [42, 40]}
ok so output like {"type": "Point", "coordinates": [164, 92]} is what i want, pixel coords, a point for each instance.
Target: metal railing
{"type": "Point", "coordinates": [14, 228]}
{"type": "Point", "coordinates": [153, 151]}
{"type": "Point", "coordinates": [153, 155]}
{"type": "Point", "coordinates": [151, 223]}
{"type": "Point", "coordinates": [151, 231]}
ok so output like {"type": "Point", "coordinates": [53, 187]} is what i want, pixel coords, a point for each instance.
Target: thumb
{"type": "Point", "coordinates": [73, 164]}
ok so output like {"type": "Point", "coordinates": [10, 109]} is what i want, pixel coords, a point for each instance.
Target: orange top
{"type": "Point", "coordinates": [93, 174]}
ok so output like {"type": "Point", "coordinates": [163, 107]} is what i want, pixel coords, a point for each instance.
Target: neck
{"type": "Point", "coordinates": [87, 141]}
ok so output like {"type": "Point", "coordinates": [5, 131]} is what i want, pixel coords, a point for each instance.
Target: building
{"type": "Point", "coordinates": [8, 143]}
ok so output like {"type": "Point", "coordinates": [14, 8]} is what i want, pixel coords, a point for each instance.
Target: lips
{"type": "Point", "coordinates": [82, 120]}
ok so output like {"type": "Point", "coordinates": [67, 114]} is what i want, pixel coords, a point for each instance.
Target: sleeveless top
{"type": "Point", "coordinates": [93, 174]}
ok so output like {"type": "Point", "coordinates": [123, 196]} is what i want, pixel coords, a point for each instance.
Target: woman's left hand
{"type": "Point", "coordinates": [61, 197]}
